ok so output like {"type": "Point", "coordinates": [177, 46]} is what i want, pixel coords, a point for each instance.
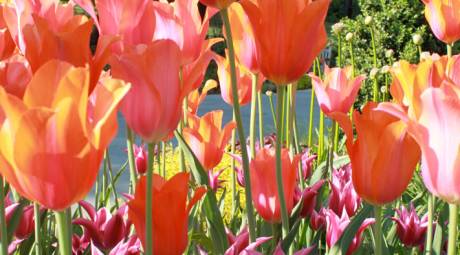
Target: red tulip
{"type": "Point", "coordinates": [207, 138]}
{"type": "Point", "coordinates": [170, 213]}
{"type": "Point", "coordinates": [338, 91]}
{"type": "Point", "coordinates": [263, 183]}
{"type": "Point", "coordinates": [410, 228]}
{"type": "Point", "coordinates": [53, 143]}
{"type": "Point", "coordinates": [153, 106]}
{"type": "Point", "coordinates": [383, 152]}
{"type": "Point", "coordinates": [283, 32]}
{"type": "Point", "coordinates": [15, 74]}
{"type": "Point", "coordinates": [444, 19]}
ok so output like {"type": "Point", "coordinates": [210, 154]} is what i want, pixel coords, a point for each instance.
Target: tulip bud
{"type": "Point", "coordinates": [318, 219]}
{"type": "Point", "coordinates": [214, 181]}
{"type": "Point", "coordinates": [343, 195]}
{"type": "Point", "coordinates": [410, 228]}
{"type": "Point", "coordinates": [140, 155]}
{"type": "Point", "coordinates": [417, 39]}
{"type": "Point", "coordinates": [368, 20]}
{"type": "Point", "coordinates": [389, 53]}
{"type": "Point", "coordinates": [349, 36]}
{"type": "Point", "coordinates": [307, 163]}
{"type": "Point", "coordinates": [337, 27]}
{"type": "Point", "coordinates": [269, 93]}
{"type": "Point", "coordinates": [383, 89]}
{"type": "Point", "coordinates": [308, 198]}
{"type": "Point", "coordinates": [373, 73]}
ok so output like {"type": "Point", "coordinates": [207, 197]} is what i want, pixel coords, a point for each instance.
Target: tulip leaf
{"type": "Point", "coordinates": [341, 247]}
{"type": "Point", "coordinates": [287, 241]}
{"type": "Point", "coordinates": [437, 240]}
{"type": "Point", "coordinates": [210, 205]}
{"type": "Point", "coordinates": [319, 172]}
{"type": "Point", "coordinates": [15, 219]}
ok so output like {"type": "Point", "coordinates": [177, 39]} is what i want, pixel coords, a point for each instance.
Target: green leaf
{"type": "Point", "coordinates": [210, 205]}
{"type": "Point", "coordinates": [341, 247]}
{"type": "Point", "coordinates": [437, 240]}
{"type": "Point", "coordinates": [322, 168]}
{"type": "Point", "coordinates": [287, 241]}
{"type": "Point", "coordinates": [15, 219]}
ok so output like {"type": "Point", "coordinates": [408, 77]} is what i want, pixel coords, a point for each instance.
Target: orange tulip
{"type": "Point", "coordinates": [170, 212]}
{"type": "Point", "coordinates": [288, 35]}
{"type": "Point", "coordinates": [7, 45]}
{"type": "Point", "coordinates": [219, 4]}
{"type": "Point", "coordinates": [243, 38]}
{"type": "Point", "coordinates": [153, 106]}
{"type": "Point", "coordinates": [338, 91]}
{"type": "Point", "coordinates": [15, 74]}
{"type": "Point", "coordinates": [263, 183]}
{"type": "Point", "coordinates": [206, 137]}
{"type": "Point", "coordinates": [244, 78]}
{"type": "Point", "coordinates": [53, 142]}
{"type": "Point", "coordinates": [444, 19]}
{"type": "Point", "coordinates": [195, 98]}
{"type": "Point", "coordinates": [383, 157]}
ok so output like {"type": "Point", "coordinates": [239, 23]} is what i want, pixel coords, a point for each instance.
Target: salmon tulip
{"type": "Point", "coordinates": [263, 183]}
{"type": "Point", "coordinates": [444, 19]}
{"type": "Point", "coordinates": [244, 85]}
{"type": "Point", "coordinates": [338, 91]}
{"type": "Point", "coordinates": [153, 106]}
{"type": "Point", "coordinates": [383, 152]}
{"type": "Point", "coordinates": [288, 35]}
{"type": "Point", "coordinates": [15, 74]}
{"type": "Point", "coordinates": [436, 132]}
{"type": "Point", "coordinates": [206, 137]}
{"type": "Point", "coordinates": [170, 214]}
{"type": "Point", "coordinates": [53, 142]}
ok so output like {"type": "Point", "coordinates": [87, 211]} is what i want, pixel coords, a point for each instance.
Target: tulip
{"type": "Point", "coordinates": [153, 106]}
{"type": "Point", "coordinates": [444, 19]}
{"type": "Point", "coordinates": [343, 195]}
{"type": "Point", "coordinates": [283, 32]}
{"type": "Point", "coordinates": [140, 155]}
{"type": "Point", "coordinates": [219, 4]}
{"type": "Point", "coordinates": [214, 181]}
{"type": "Point", "coordinates": [383, 152]}
{"type": "Point", "coordinates": [207, 139]}
{"type": "Point", "coordinates": [7, 45]}
{"type": "Point", "coordinates": [239, 170]}
{"type": "Point", "coordinates": [335, 226]}
{"type": "Point", "coordinates": [195, 98]}
{"type": "Point", "coordinates": [80, 244]}
{"type": "Point", "coordinates": [338, 91]}
{"type": "Point", "coordinates": [304, 251]}
{"type": "Point", "coordinates": [307, 198]}
{"type": "Point", "coordinates": [170, 215]}
{"type": "Point", "coordinates": [104, 229]}
{"type": "Point", "coordinates": [410, 228]}
{"type": "Point", "coordinates": [132, 246]}
{"type": "Point", "coordinates": [318, 219]}
{"type": "Point", "coordinates": [53, 143]}
{"type": "Point", "coordinates": [263, 183]}
{"type": "Point", "coordinates": [434, 131]}
{"type": "Point", "coordinates": [243, 38]}
{"type": "Point", "coordinates": [15, 74]}
{"type": "Point", "coordinates": [307, 163]}
{"type": "Point", "coordinates": [244, 78]}
{"type": "Point", "coordinates": [26, 222]}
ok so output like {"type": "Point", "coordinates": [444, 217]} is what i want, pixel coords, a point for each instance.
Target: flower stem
{"type": "Point", "coordinates": [377, 230]}
{"type": "Point", "coordinates": [131, 162]}
{"type": "Point", "coordinates": [64, 232]}
{"type": "Point", "coordinates": [38, 235]}
{"type": "Point", "coordinates": [374, 52]}
{"type": "Point", "coordinates": [336, 136]}
{"type": "Point", "coordinates": [3, 232]}
{"type": "Point", "coordinates": [449, 50]}
{"type": "Point", "coordinates": [233, 149]}
{"type": "Point", "coordinates": [429, 231]}
{"type": "Point", "coordinates": [453, 215]}
{"type": "Point", "coordinates": [310, 123]}
{"type": "Point", "coordinates": [272, 108]}
{"type": "Point", "coordinates": [252, 123]}
{"type": "Point", "coordinates": [279, 174]}
{"type": "Point", "coordinates": [239, 125]}
{"type": "Point", "coordinates": [261, 117]}
{"type": "Point", "coordinates": [149, 198]}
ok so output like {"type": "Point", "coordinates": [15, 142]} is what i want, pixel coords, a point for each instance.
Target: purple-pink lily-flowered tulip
{"type": "Point", "coordinates": [239, 170]}
{"type": "Point", "coordinates": [80, 244]}
{"type": "Point", "coordinates": [104, 229]}
{"type": "Point", "coordinates": [140, 157]}
{"type": "Point", "coordinates": [214, 181]}
{"type": "Point", "coordinates": [335, 226]}
{"type": "Point", "coordinates": [304, 251]}
{"type": "Point", "coordinates": [411, 229]}
{"type": "Point", "coordinates": [318, 219]}
{"type": "Point", "coordinates": [132, 246]}
{"type": "Point", "coordinates": [308, 198]}
{"type": "Point", "coordinates": [307, 163]}
{"type": "Point", "coordinates": [343, 195]}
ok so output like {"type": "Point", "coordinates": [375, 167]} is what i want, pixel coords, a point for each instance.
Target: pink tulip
{"type": "Point", "coordinates": [410, 228]}
{"type": "Point", "coordinates": [239, 169]}
{"type": "Point", "coordinates": [343, 195]}
{"type": "Point", "coordinates": [436, 132]}
{"type": "Point", "coordinates": [338, 91]}
{"type": "Point", "coordinates": [104, 229]}
{"type": "Point", "coordinates": [318, 219]}
{"type": "Point", "coordinates": [335, 226]}
{"type": "Point", "coordinates": [80, 244]}
{"type": "Point", "coordinates": [308, 198]}
{"type": "Point", "coordinates": [214, 181]}
{"type": "Point", "coordinates": [26, 223]}
{"type": "Point", "coordinates": [304, 251]}
{"type": "Point", "coordinates": [140, 155]}
{"type": "Point", "coordinates": [307, 163]}
{"type": "Point", "coordinates": [132, 246]}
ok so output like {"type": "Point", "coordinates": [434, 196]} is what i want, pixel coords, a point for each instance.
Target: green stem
{"type": "Point", "coordinates": [279, 173]}
{"type": "Point", "coordinates": [419, 47]}
{"type": "Point", "coordinates": [336, 136]}
{"type": "Point", "coordinates": [64, 232]}
{"type": "Point", "coordinates": [449, 50]}
{"type": "Point", "coordinates": [252, 123]}
{"type": "Point", "coordinates": [38, 235]}
{"type": "Point", "coordinates": [288, 117]}
{"type": "Point", "coordinates": [310, 123]}
{"type": "Point", "coordinates": [233, 150]}
{"type": "Point", "coordinates": [272, 108]}
{"type": "Point", "coordinates": [352, 58]}
{"type": "Point", "coordinates": [374, 52]}
{"type": "Point", "coordinates": [261, 117]}
{"type": "Point", "coordinates": [339, 50]}
{"type": "Point", "coordinates": [429, 232]}
{"type": "Point", "coordinates": [453, 215]}
{"type": "Point", "coordinates": [377, 230]}
{"type": "Point", "coordinates": [321, 136]}
{"type": "Point", "coordinates": [131, 161]}
{"type": "Point", "coordinates": [149, 198]}
{"type": "Point", "coordinates": [3, 232]}
{"type": "Point", "coordinates": [239, 124]}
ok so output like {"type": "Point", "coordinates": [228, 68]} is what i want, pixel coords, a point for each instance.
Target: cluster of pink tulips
{"type": "Point", "coordinates": [385, 190]}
